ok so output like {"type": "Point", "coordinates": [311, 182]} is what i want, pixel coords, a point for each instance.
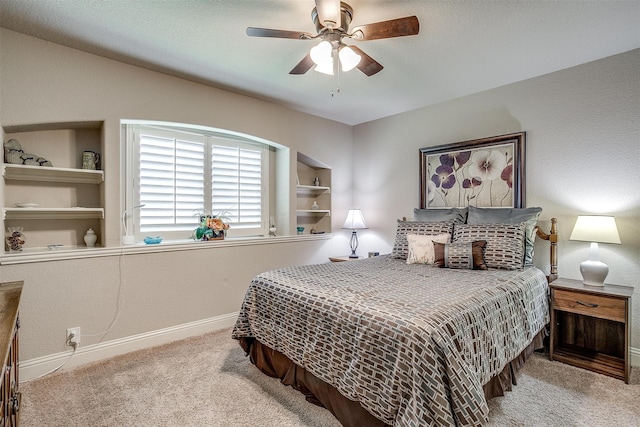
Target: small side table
{"type": "Point", "coordinates": [591, 326]}
{"type": "Point", "coordinates": [343, 258]}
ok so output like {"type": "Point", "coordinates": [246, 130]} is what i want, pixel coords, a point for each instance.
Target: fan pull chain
{"type": "Point", "coordinates": [337, 73]}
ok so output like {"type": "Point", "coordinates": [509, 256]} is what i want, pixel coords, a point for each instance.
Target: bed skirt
{"type": "Point", "coordinates": [349, 412]}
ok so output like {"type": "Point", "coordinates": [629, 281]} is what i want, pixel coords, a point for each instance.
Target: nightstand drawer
{"type": "Point", "coordinates": [604, 307]}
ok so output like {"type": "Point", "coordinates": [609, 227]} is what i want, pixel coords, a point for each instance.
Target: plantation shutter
{"type": "Point", "coordinates": [171, 180]}
{"type": "Point", "coordinates": [236, 185]}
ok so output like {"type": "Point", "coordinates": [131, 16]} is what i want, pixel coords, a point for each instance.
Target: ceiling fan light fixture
{"type": "Point", "coordinates": [332, 19]}
{"type": "Point", "coordinates": [348, 58]}
{"type": "Point", "coordinates": [321, 54]}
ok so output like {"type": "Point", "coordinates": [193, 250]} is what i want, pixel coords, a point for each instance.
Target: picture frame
{"type": "Point", "coordinates": [486, 172]}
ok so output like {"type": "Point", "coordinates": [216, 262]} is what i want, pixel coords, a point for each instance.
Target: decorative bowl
{"type": "Point", "coordinates": [152, 240]}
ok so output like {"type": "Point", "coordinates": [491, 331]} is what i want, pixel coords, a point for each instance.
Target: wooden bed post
{"type": "Point", "coordinates": [552, 237]}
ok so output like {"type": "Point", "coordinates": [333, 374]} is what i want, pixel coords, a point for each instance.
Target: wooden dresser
{"type": "Point", "coordinates": [591, 326]}
{"type": "Point", "coordinates": [9, 323]}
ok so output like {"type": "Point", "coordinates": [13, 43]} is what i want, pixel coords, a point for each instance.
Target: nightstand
{"type": "Point", "coordinates": [343, 258]}
{"type": "Point", "coordinates": [591, 326]}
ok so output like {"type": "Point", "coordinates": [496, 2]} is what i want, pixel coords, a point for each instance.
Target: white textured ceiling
{"type": "Point", "coordinates": [463, 47]}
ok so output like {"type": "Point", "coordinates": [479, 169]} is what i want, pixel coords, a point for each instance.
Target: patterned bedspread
{"type": "Point", "coordinates": [414, 344]}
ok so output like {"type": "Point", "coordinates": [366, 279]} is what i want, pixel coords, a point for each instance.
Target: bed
{"type": "Point", "coordinates": [395, 340]}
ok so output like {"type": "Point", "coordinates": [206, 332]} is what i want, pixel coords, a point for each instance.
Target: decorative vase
{"type": "Point", "coordinates": [90, 238]}
{"type": "Point", "coordinates": [15, 239]}
{"type": "Point", "coordinates": [217, 235]}
{"type": "Point", "coordinates": [206, 234]}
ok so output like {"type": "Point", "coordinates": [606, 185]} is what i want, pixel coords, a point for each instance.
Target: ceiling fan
{"type": "Point", "coordinates": [332, 19]}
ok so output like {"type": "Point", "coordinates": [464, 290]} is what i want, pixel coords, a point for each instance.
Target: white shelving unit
{"type": "Point", "coordinates": [312, 189]}
{"type": "Point", "coordinates": [53, 213]}
{"type": "Point", "coordinates": [52, 174]}
{"type": "Point", "coordinates": [313, 212]}
{"type": "Point", "coordinates": [317, 220]}
{"type": "Point", "coordinates": [54, 205]}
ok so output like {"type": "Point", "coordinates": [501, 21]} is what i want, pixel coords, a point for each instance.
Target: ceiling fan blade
{"type": "Point", "coordinates": [367, 64]}
{"type": "Point", "coordinates": [303, 66]}
{"type": "Point", "coordinates": [407, 26]}
{"type": "Point", "coordinates": [281, 34]}
{"type": "Point", "coordinates": [328, 13]}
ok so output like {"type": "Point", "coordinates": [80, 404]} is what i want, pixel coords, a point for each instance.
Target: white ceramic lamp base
{"type": "Point", "coordinates": [594, 272]}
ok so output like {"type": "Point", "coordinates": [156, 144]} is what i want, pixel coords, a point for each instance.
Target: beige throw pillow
{"type": "Point", "coordinates": [421, 247]}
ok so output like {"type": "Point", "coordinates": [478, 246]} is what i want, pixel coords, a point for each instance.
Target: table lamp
{"type": "Point", "coordinates": [595, 229]}
{"type": "Point", "coordinates": [355, 221]}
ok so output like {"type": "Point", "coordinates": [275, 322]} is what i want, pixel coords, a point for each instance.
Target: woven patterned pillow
{"type": "Point", "coordinates": [505, 242]}
{"type": "Point", "coordinates": [401, 246]}
{"type": "Point", "coordinates": [469, 256]}
{"type": "Point", "coordinates": [510, 216]}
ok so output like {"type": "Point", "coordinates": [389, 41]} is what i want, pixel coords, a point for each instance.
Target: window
{"type": "Point", "coordinates": [178, 172]}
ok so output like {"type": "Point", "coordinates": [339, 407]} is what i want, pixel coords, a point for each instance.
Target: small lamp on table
{"type": "Point", "coordinates": [355, 221]}
{"type": "Point", "coordinates": [595, 229]}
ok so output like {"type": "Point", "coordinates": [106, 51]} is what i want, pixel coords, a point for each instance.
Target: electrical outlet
{"type": "Point", "coordinates": [73, 337]}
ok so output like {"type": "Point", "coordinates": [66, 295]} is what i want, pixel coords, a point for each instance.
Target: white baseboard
{"type": "Point", "coordinates": [634, 358]}
{"type": "Point", "coordinates": [34, 368]}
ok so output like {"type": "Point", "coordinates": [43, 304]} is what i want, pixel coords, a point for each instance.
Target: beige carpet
{"type": "Point", "coordinates": [207, 381]}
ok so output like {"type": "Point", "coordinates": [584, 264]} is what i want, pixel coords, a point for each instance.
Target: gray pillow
{"type": "Point", "coordinates": [455, 215]}
{"type": "Point", "coordinates": [509, 216]}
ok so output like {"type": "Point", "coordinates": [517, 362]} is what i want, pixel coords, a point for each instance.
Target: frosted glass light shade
{"type": "Point", "coordinates": [348, 58]}
{"type": "Point", "coordinates": [595, 229]}
{"type": "Point", "coordinates": [321, 54]}
{"type": "Point", "coordinates": [325, 67]}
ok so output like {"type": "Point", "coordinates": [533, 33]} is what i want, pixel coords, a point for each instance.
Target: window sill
{"type": "Point", "coordinates": [75, 252]}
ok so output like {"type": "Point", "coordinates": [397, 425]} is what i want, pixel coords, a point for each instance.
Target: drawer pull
{"type": "Point", "coordinates": [587, 304]}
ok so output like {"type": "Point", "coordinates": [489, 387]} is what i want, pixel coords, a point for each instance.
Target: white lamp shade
{"type": "Point", "coordinates": [321, 54]}
{"type": "Point", "coordinates": [594, 228]}
{"type": "Point", "coordinates": [325, 67]}
{"type": "Point", "coordinates": [355, 220]}
{"type": "Point", "coordinates": [348, 58]}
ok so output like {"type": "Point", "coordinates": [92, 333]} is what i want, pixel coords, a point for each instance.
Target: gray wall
{"type": "Point", "coordinates": [583, 146]}
{"type": "Point", "coordinates": [582, 141]}
{"type": "Point", "coordinates": [41, 82]}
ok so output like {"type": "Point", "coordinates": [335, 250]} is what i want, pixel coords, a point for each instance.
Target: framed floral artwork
{"type": "Point", "coordinates": [487, 172]}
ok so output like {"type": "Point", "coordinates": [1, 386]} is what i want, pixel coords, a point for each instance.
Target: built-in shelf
{"type": "Point", "coordinates": [67, 199]}
{"type": "Point", "coordinates": [52, 174]}
{"type": "Point", "coordinates": [313, 212]}
{"type": "Point", "coordinates": [53, 213]}
{"type": "Point", "coordinates": [312, 189]}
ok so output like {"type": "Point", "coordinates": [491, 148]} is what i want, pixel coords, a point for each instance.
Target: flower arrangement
{"type": "Point", "coordinates": [212, 227]}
